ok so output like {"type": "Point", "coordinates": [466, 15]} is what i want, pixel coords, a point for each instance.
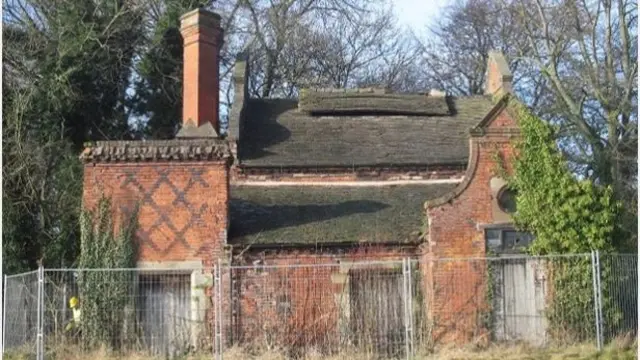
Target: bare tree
{"type": "Point", "coordinates": [455, 49]}
{"type": "Point", "coordinates": [299, 43]}
{"type": "Point", "coordinates": [370, 52]}
{"type": "Point", "coordinates": [575, 65]}
{"type": "Point", "coordinates": [588, 53]}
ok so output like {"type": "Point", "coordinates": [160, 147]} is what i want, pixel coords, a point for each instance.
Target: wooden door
{"type": "Point", "coordinates": [377, 309]}
{"type": "Point", "coordinates": [164, 310]}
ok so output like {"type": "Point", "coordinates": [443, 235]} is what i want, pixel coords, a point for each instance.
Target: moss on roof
{"type": "Point", "coordinates": [319, 102]}
{"type": "Point", "coordinates": [275, 133]}
{"type": "Point", "coordinates": [299, 215]}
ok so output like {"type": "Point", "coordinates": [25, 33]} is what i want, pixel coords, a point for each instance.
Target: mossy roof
{"type": "Point", "coordinates": [344, 103]}
{"type": "Point", "coordinates": [276, 133]}
{"type": "Point", "coordinates": [310, 215]}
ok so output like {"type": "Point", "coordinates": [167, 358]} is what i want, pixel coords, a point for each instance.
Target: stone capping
{"type": "Point", "coordinates": [200, 18]}
{"type": "Point", "coordinates": [156, 150]}
{"type": "Point", "coordinates": [500, 104]}
{"type": "Point", "coordinates": [204, 131]}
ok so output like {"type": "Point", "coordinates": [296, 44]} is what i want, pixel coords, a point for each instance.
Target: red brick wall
{"type": "Point", "coordinates": [457, 287]}
{"type": "Point", "coordinates": [293, 297]}
{"type": "Point", "coordinates": [183, 205]}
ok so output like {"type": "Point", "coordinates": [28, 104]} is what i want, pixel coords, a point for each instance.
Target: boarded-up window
{"type": "Point", "coordinates": [506, 240]}
{"type": "Point", "coordinates": [164, 311]}
{"type": "Point", "coordinates": [377, 310]}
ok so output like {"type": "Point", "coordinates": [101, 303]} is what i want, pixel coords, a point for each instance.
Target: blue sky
{"type": "Point", "coordinates": [416, 14]}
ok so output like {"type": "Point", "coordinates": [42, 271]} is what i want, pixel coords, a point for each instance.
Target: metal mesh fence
{"type": "Point", "coordinates": [161, 313]}
{"type": "Point", "coordinates": [375, 309]}
{"type": "Point", "coordinates": [323, 309]}
{"type": "Point", "coordinates": [20, 312]}
{"type": "Point", "coordinates": [619, 285]}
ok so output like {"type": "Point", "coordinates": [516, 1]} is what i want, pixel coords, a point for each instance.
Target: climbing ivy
{"type": "Point", "coordinates": [105, 293]}
{"type": "Point", "coordinates": [566, 215]}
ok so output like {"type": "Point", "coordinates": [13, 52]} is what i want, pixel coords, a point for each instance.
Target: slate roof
{"type": "Point", "coordinates": [316, 215]}
{"type": "Point", "coordinates": [276, 133]}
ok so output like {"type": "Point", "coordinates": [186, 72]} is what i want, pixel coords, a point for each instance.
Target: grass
{"type": "Point", "coordinates": [523, 352]}
{"type": "Point", "coordinates": [618, 350]}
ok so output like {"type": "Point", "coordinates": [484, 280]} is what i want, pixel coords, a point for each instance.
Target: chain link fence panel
{"type": "Point", "coordinates": [329, 308]}
{"type": "Point", "coordinates": [21, 313]}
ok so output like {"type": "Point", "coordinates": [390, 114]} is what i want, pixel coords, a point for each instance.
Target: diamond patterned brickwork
{"type": "Point", "coordinates": [183, 206]}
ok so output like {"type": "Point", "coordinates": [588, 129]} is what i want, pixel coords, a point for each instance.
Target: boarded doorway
{"type": "Point", "coordinates": [519, 287]}
{"type": "Point", "coordinates": [377, 310]}
{"type": "Point", "coordinates": [164, 310]}
{"type": "Point", "coordinates": [519, 300]}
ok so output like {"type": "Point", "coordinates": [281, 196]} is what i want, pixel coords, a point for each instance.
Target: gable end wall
{"type": "Point", "coordinates": [457, 288]}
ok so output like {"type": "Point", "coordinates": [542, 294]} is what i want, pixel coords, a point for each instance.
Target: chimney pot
{"type": "Point", "coordinates": [202, 38]}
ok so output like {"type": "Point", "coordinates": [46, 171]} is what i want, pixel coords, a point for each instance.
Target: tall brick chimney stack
{"type": "Point", "coordinates": [499, 76]}
{"type": "Point", "coordinates": [202, 36]}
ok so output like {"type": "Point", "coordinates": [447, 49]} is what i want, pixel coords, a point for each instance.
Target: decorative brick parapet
{"type": "Point", "coordinates": [156, 150]}
{"type": "Point", "coordinates": [181, 188]}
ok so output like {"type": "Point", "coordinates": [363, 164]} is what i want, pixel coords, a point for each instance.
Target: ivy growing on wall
{"type": "Point", "coordinates": [566, 215]}
{"type": "Point", "coordinates": [106, 299]}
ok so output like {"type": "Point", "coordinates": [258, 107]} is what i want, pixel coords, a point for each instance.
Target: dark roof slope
{"type": "Point", "coordinates": [297, 215]}
{"type": "Point", "coordinates": [274, 133]}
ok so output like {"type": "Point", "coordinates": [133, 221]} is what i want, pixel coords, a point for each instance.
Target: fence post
{"type": "Point", "coordinates": [408, 326]}
{"type": "Point", "coordinates": [4, 313]}
{"type": "Point", "coordinates": [410, 300]}
{"type": "Point", "coordinates": [596, 307]}
{"type": "Point", "coordinates": [217, 294]}
{"type": "Point", "coordinates": [215, 312]}
{"type": "Point", "coordinates": [601, 318]}
{"type": "Point", "coordinates": [40, 320]}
